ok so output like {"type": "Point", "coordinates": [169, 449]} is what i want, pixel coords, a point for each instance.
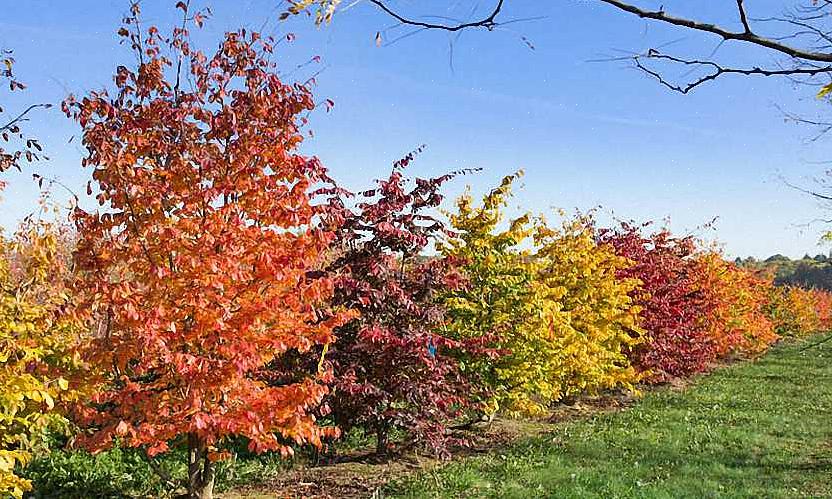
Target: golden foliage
{"type": "Point", "coordinates": [35, 344]}
{"type": "Point", "coordinates": [561, 318]}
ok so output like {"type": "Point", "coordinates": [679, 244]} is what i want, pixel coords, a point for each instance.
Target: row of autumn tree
{"type": "Point", "coordinates": [226, 290]}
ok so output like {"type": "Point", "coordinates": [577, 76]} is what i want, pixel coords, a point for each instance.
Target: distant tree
{"type": "Point", "coordinates": [777, 258]}
{"type": "Point", "coordinates": [808, 274]}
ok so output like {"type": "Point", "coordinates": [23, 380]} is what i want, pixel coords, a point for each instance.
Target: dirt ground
{"type": "Point", "coordinates": [362, 475]}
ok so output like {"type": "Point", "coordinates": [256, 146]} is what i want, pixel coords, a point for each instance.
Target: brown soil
{"type": "Point", "coordinates": [362, 475]}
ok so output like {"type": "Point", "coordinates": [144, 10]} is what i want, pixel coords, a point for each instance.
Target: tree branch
{"type": "Point", "coordinates": [717, 70]}
{"type": "Point", "coordinates": [808, 191]}
{"type": "Point", "coordinates": [21, 117]}
{"type": "Point", "coordinates": [726, 34]}
{"type": "Point", "coordinates": [743, 17]}
{"type": "Point", "coordinates": [488, 22]}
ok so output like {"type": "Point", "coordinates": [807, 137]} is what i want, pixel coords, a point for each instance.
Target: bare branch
{"type": "Point", "coordinates": [808, 191]}
{"type": "Point", "coordinates": [743, 36]}
{"type": "Point", "coordinates": [488, 22]}
{"type": "Point", "coordinates": [716, 70]}
{"type": "Point", "coordinates": [743, 17]}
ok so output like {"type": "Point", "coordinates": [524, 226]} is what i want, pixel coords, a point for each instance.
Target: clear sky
{"type": "Point", "coordinates": [587, 133]}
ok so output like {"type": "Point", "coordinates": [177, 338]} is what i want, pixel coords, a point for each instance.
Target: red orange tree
{"type": "Point", "coordinates": [196, 269]}
{"type": "Point", "coordinates": [739, 298]}
{"type": "Point", "coordinates": [674, 310]}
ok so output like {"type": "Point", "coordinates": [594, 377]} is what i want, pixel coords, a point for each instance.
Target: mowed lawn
{"type": "Point", "coordinates": [752, 429]}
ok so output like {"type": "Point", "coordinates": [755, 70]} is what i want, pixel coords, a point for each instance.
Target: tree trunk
{"type": "Point", "coordinates": [382, 440]}
{"type": "Point", "coordinates": [200, 470]}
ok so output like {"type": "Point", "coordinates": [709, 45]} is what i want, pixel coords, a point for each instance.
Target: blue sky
{"type": "Point", "coordinates": [586, 133]}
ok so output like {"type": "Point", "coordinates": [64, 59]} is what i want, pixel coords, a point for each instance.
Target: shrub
{"type": "Point", "coordinates": [794, 311]}
{"type": "Point", "coordinates": [36, 345]}
{"type": "Point", "coordinates": [115, 473]}
{"type": "Point", "coordinates": [391, 364]}
{"type": "Point", "coordinates": [675, 312]}
{"type": "Point", "coordinates": [602, 317]}
{"type": "Point", "coordinates": [739, 298]}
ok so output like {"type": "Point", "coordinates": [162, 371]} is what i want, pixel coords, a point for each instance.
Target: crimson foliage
{"type": "Point", "coordinates": [390, 365]}
{"type": "Point", "coordinates": [674, 310]}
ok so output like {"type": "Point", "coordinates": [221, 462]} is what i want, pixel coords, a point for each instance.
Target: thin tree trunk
{"type": "Point", "coordinates": [382, 440]}
{"type": "Point", "coordinates": [200, 470]}
{"type": "Point", "coordinates": [207, 478]}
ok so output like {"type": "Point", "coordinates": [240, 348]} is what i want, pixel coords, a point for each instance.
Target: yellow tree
{"type": "Point", "coordinates": [603, 320]}
{"type": "Point", "coordinates": [549, 297]}
{"type": "Point", "coordinates": [34, 340]}
{"type": "Point", "coordinates": [503, 299]}
{"type": "Point", "coordinates": [35, 344]}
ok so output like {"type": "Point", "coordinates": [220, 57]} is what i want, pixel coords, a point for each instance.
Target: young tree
{"type": "Point", "coordinates": [36, 343]}
{"type": "Point", "coordinates": [603, 317]}
{"type": "Point", "coordinates": [738, 321]}
{"type": "Point", "coordinates": [504, 300]}
{"type": "Point", "coordinates": [391, 364]}
{"type": "Point", "coordinates": [197, 266]}
{"type": "Point", "coordinates": [674, 312]}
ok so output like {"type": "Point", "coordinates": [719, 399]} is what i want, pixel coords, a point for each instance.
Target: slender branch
{"type": "Point", "coordinates": [717, 70]}
{"type": "Point", "coordinates": [163, 474]}
{"type": "Point", "coordinates": [180, 55]}
{"type": "Point", "coordinates": [808, 191]}
{"type": "Point", "coordinates": [20, 117]}
{"type": "Point", "coordinates": [743, 16]}
{"type": "Point", "coordinates": [743, 36]}
{"type": "Point", "coordinates": [488, 22]}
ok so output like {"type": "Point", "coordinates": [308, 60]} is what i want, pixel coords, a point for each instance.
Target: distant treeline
{"type": "Point", "coordinates": [807, 272]}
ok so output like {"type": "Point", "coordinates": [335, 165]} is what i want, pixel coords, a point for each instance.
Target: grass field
{"type": "Point", "coordinates": [752, 429]}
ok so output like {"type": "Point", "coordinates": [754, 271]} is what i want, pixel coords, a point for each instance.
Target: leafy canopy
{"type": "Point", "coordinates": [197, 269]}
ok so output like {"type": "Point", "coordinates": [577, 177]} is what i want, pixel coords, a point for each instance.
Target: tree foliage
{"type": "Point", "coordinates": [551, 298]}
{"type": "Point", "coordinates": [799, 312]}
{"type": "Point", "coordinates": [36, 344]}
{"type": "Point", "coordinates": [196, 269]}
{"type": "Point", "coordinates": [738, 321]}
{"type": "Point", "coordinates": [503, 299]}
{"type": "Point", "coordinates": [603, 320]}
{"type": "Point", "coordinates": [391, 364]}
{"type": "Point", "coordinates": [675, 312]}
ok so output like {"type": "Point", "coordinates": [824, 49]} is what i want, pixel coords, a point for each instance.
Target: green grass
{"type": "Point", "coordinates": [753, 429]}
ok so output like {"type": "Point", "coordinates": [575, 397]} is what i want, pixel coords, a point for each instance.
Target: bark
{"type": "Point", "coordinates": [200, 469]}
{"type": "Point", "coordinates": [382, 440]}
